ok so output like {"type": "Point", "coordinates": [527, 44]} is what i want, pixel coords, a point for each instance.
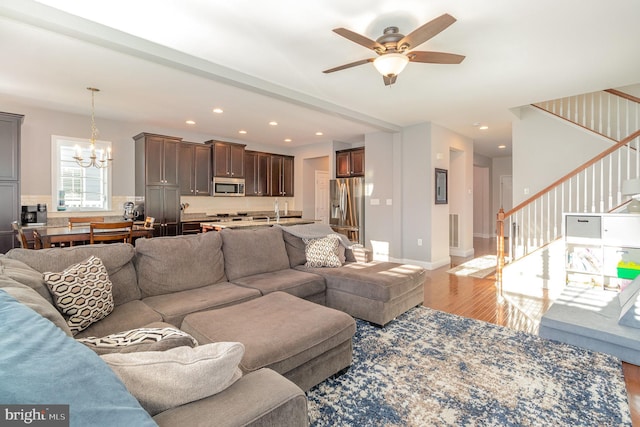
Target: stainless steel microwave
{"type": "Point", "coordinates": [228, 186]}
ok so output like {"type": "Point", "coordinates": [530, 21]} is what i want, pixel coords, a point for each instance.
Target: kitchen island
{"type": "Point", "coordinates": [255, 223]}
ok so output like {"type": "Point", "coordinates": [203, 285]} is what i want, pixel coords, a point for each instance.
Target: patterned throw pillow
{"type": "Point", "coordinates": [140, 339]}
{"type": "Point", "coordinates": [322, 252]}
{"type": "Point", "coordinates": [82, 293]}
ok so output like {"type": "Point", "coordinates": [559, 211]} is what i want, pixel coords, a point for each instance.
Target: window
{"type": "Point", "coordinates": [74, 187]}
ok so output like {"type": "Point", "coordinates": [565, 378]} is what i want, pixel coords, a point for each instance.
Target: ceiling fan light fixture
{"type": "Point", "coordinates": [391, 64]}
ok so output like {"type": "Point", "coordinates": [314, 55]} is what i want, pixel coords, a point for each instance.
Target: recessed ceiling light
{"type": "Point", "coordinates": [483, 127]}
{"type": "Point", "coordinates": [218, 110]}
{"type": "Point", "coordinates": [319, 133]}
{"type": "Point", "coordinates": [502, 147]}
{"type": "Point", "coordinates": [287, 140]}
{"type": "Point", "coordinates": [273, 123]}
{"type": "Point", "coordinates": [190, 122]}
{"type": "Point", "coordinates": [242, 132]}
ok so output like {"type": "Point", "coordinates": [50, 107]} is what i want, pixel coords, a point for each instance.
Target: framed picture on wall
{"type": "Point", "coordinates": [441, 187]}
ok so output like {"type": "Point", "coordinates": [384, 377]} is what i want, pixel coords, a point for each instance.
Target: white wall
{"type": "Point", "coordinates": [545, 148]}
{"type": "Point", "coordinates": [381, 199]}
{"type": "Point", "coordinates": [481, 202]}
{"type": "Point", "coordinates": [425, 147]}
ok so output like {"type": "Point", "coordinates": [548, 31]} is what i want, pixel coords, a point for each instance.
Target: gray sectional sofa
{"type": "Point", "coordinates": [250, 279]}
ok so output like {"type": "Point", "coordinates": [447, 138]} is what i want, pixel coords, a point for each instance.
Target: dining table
{"type": "Point", "coordinates": [45, 237]}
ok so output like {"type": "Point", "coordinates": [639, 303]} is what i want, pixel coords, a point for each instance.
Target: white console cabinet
{"type": "Point", "coordinates": [596, 243]}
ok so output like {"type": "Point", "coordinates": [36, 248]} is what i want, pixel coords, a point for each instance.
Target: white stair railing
{"type": "Point", "coordinates": [595, 187]}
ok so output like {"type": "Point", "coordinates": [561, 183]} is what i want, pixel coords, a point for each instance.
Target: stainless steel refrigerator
{"type": "Point", "coordinates": [347, 208]}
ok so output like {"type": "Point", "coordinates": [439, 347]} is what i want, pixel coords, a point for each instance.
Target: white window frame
{"type": "Point", "coordinates": [104, 175]}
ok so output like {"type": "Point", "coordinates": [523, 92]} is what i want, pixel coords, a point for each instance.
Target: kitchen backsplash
{"type": "Point", "coordinates": [195, 204]}
{"type": "Point", "coordinates": [233, 204]}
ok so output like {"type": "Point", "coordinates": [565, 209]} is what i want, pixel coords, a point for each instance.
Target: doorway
{"type": "Point", "coordinates": [321, 211]}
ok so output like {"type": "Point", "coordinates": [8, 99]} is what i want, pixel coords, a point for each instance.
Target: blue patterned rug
{"type": "Point", "coordinates": [429, 368]}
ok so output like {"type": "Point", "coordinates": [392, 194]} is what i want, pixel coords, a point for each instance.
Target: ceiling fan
{"type": "Point", "coordinates": [394, 48]}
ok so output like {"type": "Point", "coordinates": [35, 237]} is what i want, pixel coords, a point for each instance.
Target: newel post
{"type": "Point", "coordinates": [500, 246]}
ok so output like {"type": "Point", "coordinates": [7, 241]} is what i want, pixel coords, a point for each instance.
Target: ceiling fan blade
{"type": "Point", "coordinates": [427, 31]}
{"type": "Point", "coordinates": [435, 57]}
{"type": "Point", "coordinates": [345, 66]}
{"type": "Point", "coordinates": [389, 80]}
{"type": "Point", "coordinates": [357, 38]}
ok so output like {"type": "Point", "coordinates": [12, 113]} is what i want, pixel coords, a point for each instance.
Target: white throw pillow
{"type": "Point", "coordinates": [82, 292]}
{"type": "Point", "coordinates": [161, 380]}
{"type": "Point", "coordinates": [322, 252]}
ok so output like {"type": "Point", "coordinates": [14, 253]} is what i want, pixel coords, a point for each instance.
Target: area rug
{"type": "Point", "coordinates": [480, 267]}
{"type": "Point", "coordinates": [429, 368]}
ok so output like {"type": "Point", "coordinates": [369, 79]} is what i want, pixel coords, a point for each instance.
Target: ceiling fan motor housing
{"type": "Point", "coordinates": [390, 40]}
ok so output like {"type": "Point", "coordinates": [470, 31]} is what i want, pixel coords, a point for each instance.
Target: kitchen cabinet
{"type": "Point", "coordinates": [10, 134]}
{"type": "Point", "coordinates": [160, 156]}
{"type": "Point", "coordinates": [350, 163]}
{"type": "Point", "coordinates": [281, 175]}
{"type": "Point", "coordinates": [163, 203]}
{"type": "Point", "coordinates": [228, 159]}
{"type": "Point", "coordinates": [256, 169]}
{"type": "Point", "coordinates": [157, 180]}
{"type": "Point", "coordinates": [194, 169]}
{"type": "Point", "coordinates": [602, 249]}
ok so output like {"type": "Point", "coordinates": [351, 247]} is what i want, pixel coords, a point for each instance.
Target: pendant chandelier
{"type": "Point", "coordinates": [93, 160]}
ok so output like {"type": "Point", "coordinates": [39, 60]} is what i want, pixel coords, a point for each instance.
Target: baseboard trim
{"type": "Point", "coordinates": [461, 252]}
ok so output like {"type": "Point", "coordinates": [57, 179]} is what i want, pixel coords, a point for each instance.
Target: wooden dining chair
{"type": "Point", "coordinates": [17, 227]}
{"type": "Point", "coordinates": [84, 220]}
{"type": "Point", "coordinates": [100, 232]}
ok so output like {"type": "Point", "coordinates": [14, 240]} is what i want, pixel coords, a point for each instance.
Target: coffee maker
{"type": "Point", "coordinates": [128, 211]}
{"type": "Point", "coordinates": [34, 214]}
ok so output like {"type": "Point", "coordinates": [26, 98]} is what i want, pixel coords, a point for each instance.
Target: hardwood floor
{"type": "Point", "coordinates": [520, 308]}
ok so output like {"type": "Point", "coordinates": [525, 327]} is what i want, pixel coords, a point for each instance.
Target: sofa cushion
{"type": "Point", "coordinates": [375, 280]}
{"type": "Point", "coordinates": [116, 257]}
{"type": "Point", "coordinates": [279, 331]}
{"type": "Point", "coordinates": [173, 307]}
{"type": "Point", "coordinates": [34, 301]}
{"type": "Point", "coordinates": [275, 401]}
{"type": "Point", "coordinates": [41, 365]}
{"type": "Point", "coordinates": [155, 337]}
{"type": "Point", "coordinates": [22, 273]}
{"type": "Point", "coordinates": [298, 283]}
{"type": "Point", "coordinates": [131, 315]}
{"type": "Point", "coordinates": [82, 292]}
{"type": "Point", "coordinates": [188, 374]}
{"type": "Point", "coordinates": [323, 252]}
{"type": "Point", "coordinates": [249, 252]}
{"type": "Point", "coordinates": [160, 263]}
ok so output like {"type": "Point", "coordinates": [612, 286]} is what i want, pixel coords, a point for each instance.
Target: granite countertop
{"type": "Point", "coordinates": [207, 217]}
{"type": "Point", "coordinates": [256, 223]}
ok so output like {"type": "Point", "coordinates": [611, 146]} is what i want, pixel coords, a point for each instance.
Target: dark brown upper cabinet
{"type": "Point", "coordinates": [195, 169]}
{"type": "Point", "coordinates": [228, 159]}
{"type": "Point", "coordinates": [350, 163]}
{"type": "Point", "coordinates": [281, 176]}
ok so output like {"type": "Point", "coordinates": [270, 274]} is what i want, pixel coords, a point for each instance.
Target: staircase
{"type": "Point", "coordinates": [595, 186]}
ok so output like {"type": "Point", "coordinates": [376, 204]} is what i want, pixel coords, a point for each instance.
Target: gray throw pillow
{"type": "Point", "coordinates": [187, 374]}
